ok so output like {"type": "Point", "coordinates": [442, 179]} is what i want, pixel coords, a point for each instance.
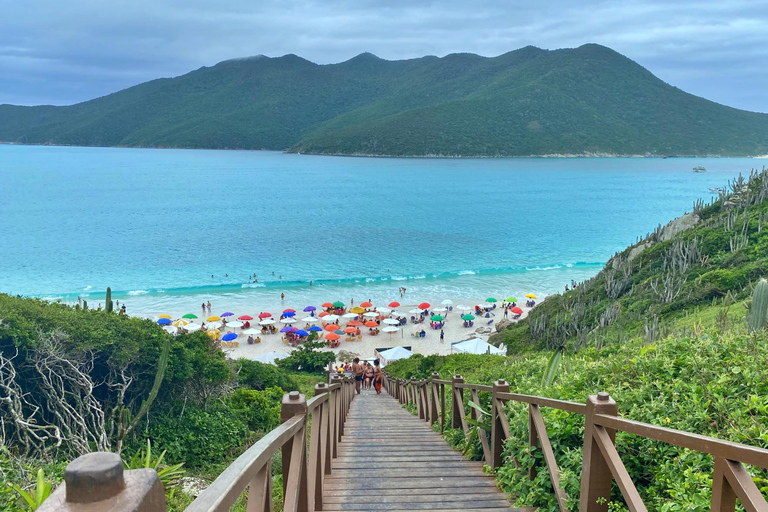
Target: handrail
{"type": "Point", "coordinates": [602, 463]}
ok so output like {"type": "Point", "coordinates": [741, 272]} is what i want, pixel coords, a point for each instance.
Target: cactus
{"type": "Point", "coordinates": [109, 303]}
{"type": "Point", "coordinates": [85, 305]}
{"type": "Point", "coordinates": [759, 309]}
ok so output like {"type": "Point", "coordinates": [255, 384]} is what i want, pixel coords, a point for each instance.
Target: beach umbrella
{"type": "Point", "coordinates": [393, 354]}
{"type": "Point", "coordinates": [270, 357]}
{"type": "Point", "coordinates": [490, 299]}
{"type": "Point", "coordinates": [164, 315]}
{"type": "Point", "coordinates": [350, 330]}
{"type": "Point", "coordinates": [476, 346]}
{"type": "Point", "coordinates": [366, 304]}
{"type": "Point", "coordinates": [511, 299]}
{"type": "Point", "coordinates": [189, 315]}
{"type": "Point", "coordinates": [213, 333]}
{"type": "Point", "coordinates": [228, 313]}
{"type": "Point", "coordinates": [391, 321]}
{"type": "Point", "coordinates": [213, 318]}
{"type": "Point", "coordinates": [416, 311]}
{"type": "Point", "coordinates": [309, 308]}
{"type": "Point", "coordinates": [440, 310]}
{"type": "Point", "coordinates": [324, 313]}
{"type": "Point", "coordinates": [267, 322]}
{"type": "Point", "coordinates": [190, 327]}
{"type": "Point", "coordinates": [357, 309]}
{"type": "Point", "coordinates": [394, 304]}
{"type": "Point", "coordinates": [301, 332]}
{"type": "Point", "coordinates": [384, 311]}
{"type": "Point", "coordinates": [339, 332]}
{"type": "Point", "coordinates": [164, 321]}
{"type": "Point", "coordinates": [264, 315]}
{"type": "Point", "coordinates": [235, 324]}
{"type": "Point", "coordinates": [331, 318]}
{"type": "Point", "coordinates": [467, 317]}
{"type": "Point", "coordinates": [170, 329]}
{"type": "Point", "coordinates": [229, 336]}
{"type": "Point", "coordinates": [326, 305]}
{"type": "Point", "coordinates": [289, 309]}
{"type": "Point", "coordinates": [245, 317]}
{"type": "Point", "coordinates": [371, 323]}
{"type": "Point", "coordinates": [355, 323]}
{"type": "Point", "coordinates": [288, 314]}
{"type": "Point", "coordinates": [424, 305]}
{"type": "Point", "coordinates": [338, 304]}
{"type": "Point", "coordinates": [214, 325]}
{"type": "Point", "coordinates": [397, 313]}
{"type": "Point", "coordinates": [463, 308]}
{"type": "Point", "coordinates": [288, 320]}
{"type": "Point", "coordinates": [310, 319]}
{"type": "Point", "coordinates": [447, 302]}
{"type": "Point", "coordinates": [331, 327]}
{"type": "Point", "coordinates": [315, 328]}
{"type": "Point", "coordinates": [349, 315]}
{"type": "Point", "coordinates": [288, 328]}
{"type": "Point", "coordinates": [437, 318]}
{"type": "Point", "coordinates": [371, 314]}
{"type": "Point", "coordinates": [530, 295]}
{"type": "Point", "coordinates": [516, 310]}
{"type": "Point", "coordinates": [332, 336]}
{"type": "Point", "coordinates": [251, 331]}
{"type": "Point", "coordinates": [180, 323]}
{"type": "Point", "coordinates": [390, 329]}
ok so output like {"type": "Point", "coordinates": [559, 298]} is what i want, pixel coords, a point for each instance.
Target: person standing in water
{"type": "Point", "coordinates": [357, 371]}
{"type": "Point", "coordinates": [282, 296]}
{"type": "Point", "coordinates": [209, 307]}
{"type": "Point", "coordinates": [378, 378]}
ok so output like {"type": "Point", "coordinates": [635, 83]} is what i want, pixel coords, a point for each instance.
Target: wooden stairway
{"type": "Point", "coordinates": [389, 460]}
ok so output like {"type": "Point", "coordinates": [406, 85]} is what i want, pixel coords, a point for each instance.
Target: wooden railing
{"type": "Point", "coordinates": [306, 461]}
{"type": "Point", "coordinates": [602, 464]}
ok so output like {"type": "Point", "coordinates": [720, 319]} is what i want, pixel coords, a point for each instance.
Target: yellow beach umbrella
{"type": "Point", "coordinates": [164, 315]}
{"type": "Point", "coordinates": [357, 309]}
{"type": "Point", "coordinates": [213, 318]}
{"type": "Point", "coordinates": [180, 323]}
{"type": "Point", "coordinates": [530, 295]}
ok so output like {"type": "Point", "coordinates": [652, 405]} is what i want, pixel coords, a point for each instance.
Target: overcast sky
{"type": "Point", "coordinates": [62, 52]}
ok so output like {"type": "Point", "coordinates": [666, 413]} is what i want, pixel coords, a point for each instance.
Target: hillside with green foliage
{"type": "Point", "coordinates": [587, 100]}
{"type": "Point", "coordinates": [674, 329]}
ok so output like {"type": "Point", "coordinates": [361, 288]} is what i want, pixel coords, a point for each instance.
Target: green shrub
{"type": "Point", "coordinates": [260, 376]}
{"type": "Point", "coordinates": [259, 409]}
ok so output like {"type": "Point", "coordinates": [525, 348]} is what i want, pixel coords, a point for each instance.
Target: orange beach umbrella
{"type": "Point", "coordinates": [331, 327]}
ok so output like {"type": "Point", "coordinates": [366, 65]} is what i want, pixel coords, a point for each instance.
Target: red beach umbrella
{"type": "Point", "coordinates": [424, 305]}
{"type": "Point", "coordinates": [264, 315]}
{"type": "Point", "coordinates": [516, 310]}
{"type": "Point", "coordinates": [324, 313]}
{"type": "Point", "coordinates": [366, 304]}
{"type": "Point", "coordinates": [394, 304]}
{"type": "Point", "coordinates": [245, 317]}
{"type": "Point", "coordinates": [331, 327]}
{"type": "Point", "coordinates": [371, 323]}
{"type": "Point", "coordinates": [350, 330]}
{"type": "Point", "coordinates": [289, 310]}
{"type": "Point", "coordinates": [327, 305]}
{"type": "Point", "coordinates": [332, 336]}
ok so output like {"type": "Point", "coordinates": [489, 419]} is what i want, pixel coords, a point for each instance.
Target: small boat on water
{"type": "Point", "coordinates": [717, 189]}
{"type": "Point", "coordinates": [699, 168]}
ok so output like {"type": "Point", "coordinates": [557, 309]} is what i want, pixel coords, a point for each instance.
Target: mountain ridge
{"type": "Point", "coordinates": [526, 102]}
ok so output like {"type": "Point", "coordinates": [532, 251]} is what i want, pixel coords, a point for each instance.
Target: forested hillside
{"type": "Point", "coordinates": [587, 100]}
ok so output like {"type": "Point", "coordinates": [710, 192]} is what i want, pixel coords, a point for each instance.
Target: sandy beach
{"type": "Point", "coordinates": [406, 336]}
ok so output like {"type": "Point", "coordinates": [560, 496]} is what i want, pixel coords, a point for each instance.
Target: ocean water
{"type": "Point", "coordinates": [169, 229]}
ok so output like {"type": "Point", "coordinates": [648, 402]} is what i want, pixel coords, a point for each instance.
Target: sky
{"type": "Point", "coordinates": [60, 53]}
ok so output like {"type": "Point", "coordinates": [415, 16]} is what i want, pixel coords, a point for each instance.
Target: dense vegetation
{"type": "Point", "coordinates": [525, 102]}
{"type": "Point", "coordinates": [663, 329]}
{"type": "Point", "coordinates": [73, 381]}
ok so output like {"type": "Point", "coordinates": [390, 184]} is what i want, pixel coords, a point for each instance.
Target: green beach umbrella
{"type": "Point", "coordinates": [189, 315]}
{"type": "Point", "coordinates": [437, 318]}
{"type": "Point", "coordinates": [338, 304]}
{"type": "Point", "coordinates": [490, 299]}
{"type": "Point", "coordinates": [467, 317]}
{"type": "Point", "coordinates": [511, 299]}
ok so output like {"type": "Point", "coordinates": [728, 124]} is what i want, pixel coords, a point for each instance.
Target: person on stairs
{"type": "Point", "coordinates": [377, 377]}
{"type": "Point", "coordinates": [357, 370]}
{"type": "Point", "coordinates": [368, 375]}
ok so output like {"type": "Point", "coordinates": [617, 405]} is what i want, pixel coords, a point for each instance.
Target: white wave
{"type": "Point", "coordinates": [399, 278]}
{"type": "Point", "coordinates": [138, 292]}
{"type": "Point", "coordinates": [551, 267]}
{"type": "Point", "coordinates": [253, 285]}
{"type": "Point", "coordinates": [467, 273]}
{"type": "Point", "coordinates": [89, 287]}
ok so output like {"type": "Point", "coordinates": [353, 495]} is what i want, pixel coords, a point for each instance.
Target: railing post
{"type": "Point", "coordinates": [413, 393]}
{"type": "Point", "coordinates": [497, 431]}
{"type": "Point", "coordinates": [433, 398]}
{"type": "Point", "coordinates": [336, 415]}
{"type": "Point", "coordinates": [294, 404]}
{"type": "Point", "coordinates": [321, 389]}
{"type": "Point", "coordinates": [533, 440]}
{"type": "Point", "coordinates": [96, 481]}
{"type": "Point", "coordinates": [423, 414]}
{"type": "Point", "coordinates": [322, 461]}
{"type": "Point", "coordinates": [403, 391]}
{"type": "Point", "coordinates": [457, 412]}
{"type": "Point", "coordinates": [596, 477]}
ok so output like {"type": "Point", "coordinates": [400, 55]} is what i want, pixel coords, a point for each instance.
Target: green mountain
{"type": "Point", "coordinates": [526, 102]}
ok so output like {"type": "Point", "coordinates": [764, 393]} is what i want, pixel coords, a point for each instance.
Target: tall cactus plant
{"type": "Point", "coordinates": [85, 305]}
{"type": "Point", "coordinates": [758, 311]}
{"type": "Point", "coordinates": [110, 304]}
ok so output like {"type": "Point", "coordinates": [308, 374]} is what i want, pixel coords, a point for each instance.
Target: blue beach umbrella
{"type": "Point", "coordinates": [315, 328]}
{"type": "Point", "coordinates": [229, 336]}
{"type": "Point", "coordinates": [226, 314]}
{"type": "Point", "coordinates": [339, 332]}
{"type": "Point", "coordinates": [164, 321]}
{"type": "Point", "coordinates": [309, 308]}
{"type": "Point", "coordinates": [288, 328]}
{"type": "Point", "coordinates": [301, 332]}
{"type": "Point", "coordinates": [288, 314]}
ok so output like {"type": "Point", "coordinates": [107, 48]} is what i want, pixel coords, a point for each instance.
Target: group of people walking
{"type": "Point", "coordinates": [367, 375]}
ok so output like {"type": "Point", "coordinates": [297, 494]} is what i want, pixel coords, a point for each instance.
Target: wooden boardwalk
{"type": "Point", "coordinates": [389, 460]}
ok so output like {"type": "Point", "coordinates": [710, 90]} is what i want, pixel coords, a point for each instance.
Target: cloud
{"type": "Point", "coordinates": [64, 53]}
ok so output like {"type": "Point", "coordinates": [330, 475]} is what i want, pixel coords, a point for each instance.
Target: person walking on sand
{"type": "Point", "coordinates": [357, 371]}
{"type": "Point", "coordinates": [377, 377]}
{"type": "Point", "coordinates": [442, 335]}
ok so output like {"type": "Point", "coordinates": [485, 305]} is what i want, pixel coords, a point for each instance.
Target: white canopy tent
{"type": "Point", "coordinates": [476, 346]}
{"type": "Point", "coordinates": [393, 354]}
{"type": "Point", "coordinates": [270, 357]}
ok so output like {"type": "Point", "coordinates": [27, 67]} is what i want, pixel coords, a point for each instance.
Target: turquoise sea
{"type": "Point", "coordinates": [169, 229]}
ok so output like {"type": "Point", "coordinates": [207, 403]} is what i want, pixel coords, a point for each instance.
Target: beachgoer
{"type": "Point", "coordinates": [209, 307]}
{"type": "Point", "coordinates": [377, 377]}
{"type": "Point", "coordinates": [123, 308]}
{"type": "Point", "coordinates": [282, 296]}
{"type": "Point", "coordinates": [351, 302]}
{"type": "Point", "coordinates": [310, 283]}
{"type": "Point", "coordinates": [442, 335]}
{"type": "Point", "coordinates": [368, 375]}
{"type": "Point", "coordinates": [357, 370]}
{"type": "Point", "coordinates": [99, 308]}
{"type": "Point", "coordinates": [280, 276]}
